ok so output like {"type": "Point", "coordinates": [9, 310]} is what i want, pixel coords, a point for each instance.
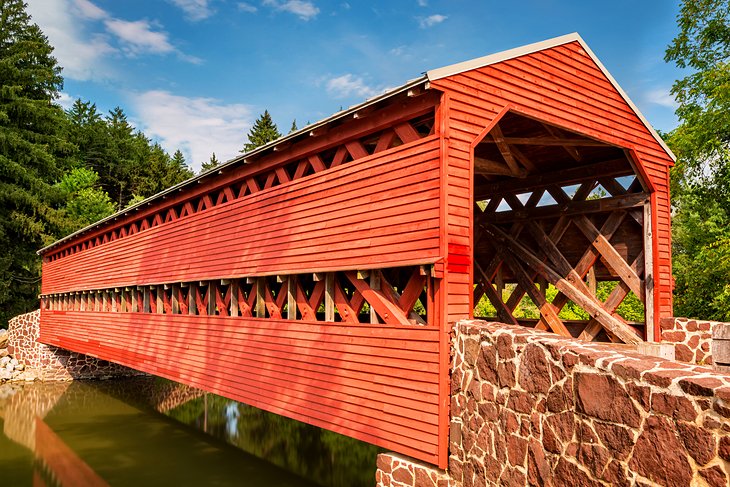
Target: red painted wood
{"type": "Point", "coordinates": [361, 387]}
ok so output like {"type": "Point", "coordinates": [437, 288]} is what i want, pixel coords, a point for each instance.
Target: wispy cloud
{"type": "Point", "coordinates": [349, 85]}
{"type": "Point", "coordinates": [247, 7]}
{"type": "Point", "coordinates": [197, 126]}
{"type": "Point", "coordinates": [139, 37]}
{"type": "Point", "coordinates": [195, 9]}
{"type": "Point", "coordinates": [303, 9]}
{"type": "Point", "coordinates": [65, 100]}
{"type": "Point", "coordinates": [431, 20]}
{"type": "Point", "coordinates": [89, 11]}
{"type": "Point", "coordinates": [423, 3]}
{"type": "Point", "coordinates": [660, 96]}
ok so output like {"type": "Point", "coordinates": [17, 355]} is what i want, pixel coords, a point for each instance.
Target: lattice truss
{"type": "Point", "coordinates": [554, 207]}
{"type": "Point", "coordinates": [551, 236]}
{"type": "Point", "coordinates": [349, 150]}
{"type": "Point", "coordinates": [401, 296]}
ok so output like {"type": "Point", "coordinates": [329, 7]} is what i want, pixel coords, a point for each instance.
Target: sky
{"type": "Point", "coordinates": [195, 74]}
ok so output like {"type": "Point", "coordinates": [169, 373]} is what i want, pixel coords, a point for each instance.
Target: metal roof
{"type": "Point", "coordinates": [431, 75]}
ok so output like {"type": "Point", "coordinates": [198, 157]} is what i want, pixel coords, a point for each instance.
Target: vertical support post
{"type": "Point", "coordinates": [135, 304]}
{"type": "Point", "coordinates": [145, 299]}
{"type": "Point", "coordinates": [175, 303]}
{"type": "Point", "coordinates": [499, 281]}
{"type": "Point", "coordinates": [591, 280]}
{"type": "Point", "coordinates": [192, 308]}
{"type": "Point", "coordinates": [97, 301]}
{"type": "Point", "coordinates": [649, 310]}
{"type": "Point", "coordinates": [233, 287]}
{"type": "Point", "coordinates": [291, 298]}
{"type": "Point", "coordinates": [212, 291]}
{"type": "Point", "coordinates": [375, 285]}
{"type": "Point", "coordinates": [105, 300]}
{"type": "Point", "coordinates": [123, 295]}
{"type": "Point", "coordinates": [159, 290]}
{"type": "Point", "coordinates": [329, 296]}
{"type": "Point", "coordinates": [260, 300]}
{"type": "Point", "coordinates": [115, 300]}
{"type": "Point", "coordinates": [430, 301]}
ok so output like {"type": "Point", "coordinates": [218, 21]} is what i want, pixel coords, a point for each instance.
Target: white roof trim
{"type": "Point", "coordinates": [481, 62]}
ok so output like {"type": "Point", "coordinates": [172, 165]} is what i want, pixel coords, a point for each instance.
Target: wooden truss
{"type": "Point", "coordinates": [532, 232]}
{"type": "Point", "coordinates": [396, 296]}
{"type": "Point", "coordinates": [348, 150]}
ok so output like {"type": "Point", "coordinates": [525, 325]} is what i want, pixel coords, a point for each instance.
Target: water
{"type": "Point", "coordinates": [151, 432]}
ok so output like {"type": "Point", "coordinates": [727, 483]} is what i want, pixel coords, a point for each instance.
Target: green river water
{"type": "Point", "coordinates": [152, 432]}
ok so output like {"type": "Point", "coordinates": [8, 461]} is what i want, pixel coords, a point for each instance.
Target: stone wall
{"type": "Point", "coordinates": [53, 363]}
{"type": "Point", "coordinates": [692, 339]}
{"type": "Point", "coordinates": [396, 470]}
{"type": "Point", "coordinates": [530, 407]}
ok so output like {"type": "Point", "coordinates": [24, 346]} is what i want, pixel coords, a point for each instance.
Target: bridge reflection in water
{"type": "Point", "coordinates": [156, 432]}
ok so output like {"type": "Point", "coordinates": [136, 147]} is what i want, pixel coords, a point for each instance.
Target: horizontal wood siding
{"type": "Point", "coordinates": [375, 383]}
{"type": "Point", "coordinates": [378, 211]}
{"type": "Point", "coordinates": [562, 86]}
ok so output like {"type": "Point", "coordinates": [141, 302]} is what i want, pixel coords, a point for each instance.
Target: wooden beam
{"type": "Point", "coordinates": [569, 176]}
{"type": "Point", "coordinates": [260, 297]}
{"type": "Point", "coordinates": [611, 255]}
{"type": "Point", "coordinates": [552, 141]}
{"type": "Point", "coordinates": [504, 149]}
{"type": "Point", "coordinates": [291, 299]}
{"type": "Point", "coordinates": [487, 166]}
{"type": "Point", "coordinates": [503, 313]}
{"type": "Point", "coordinates": [590, 304]}
{"type": "Point", "coordinates": [234, 310]}
{"type": "Point", "coordinates": [375, 285]}
{"type": "Point", "coordinates": [555, 133]}
{"type": "Point", "coordinates": [649, 311]}
{"type": "Point", "coordinates": [571, 209]}
{"type": "Point", "coordinates": [386, 309]}
{"type": "Point", "coordinates": [329, 296]}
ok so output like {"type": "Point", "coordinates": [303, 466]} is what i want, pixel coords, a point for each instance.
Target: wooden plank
{"type": "Point", "coordinates": [260, 291]}
{"type": "Point", "coordinates": [504, 149]}
{"type": "Point", "coordinates": [611, 256]}
{"type": "Point", "coordinates": [503, 313]}
{"type": "Point", "coordinates": [649, 305]}
{"type": "Point", "coordinates": [291, 303]}
{"type": "Point", "coordinates": [388, 311]}
{"type": "Point", "coordinates": [593, 307]}
{"type": "Point", "coordinates": [329, 297]}
{"type": "Point", "coordinates": [375, 285]}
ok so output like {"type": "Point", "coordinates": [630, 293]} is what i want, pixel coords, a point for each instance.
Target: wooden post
{"type": "Point", "coordinates": [329, 297]}
{"type": "Point", "coordinates": [123, 303]}
{"type": "Point", "coordinates": [260, 298]}
{"type": "Point", "coordinates": [374, 285]}
{"type": "Point", "coordinates": [105, 300]}
{"type": "Point", "coordinates": [212, 291]}
{"type": "Point", "coordinates": [291, 298]}
{"type": "Point", "coordinates": [135, 305]}
{"type": "Point", "coordinates": [175, 303]}
{"type": "Point", "coordinates": [159, 291]}
{"type": "Point", "coordinates": [233, 311]}
{"type": "Point", "coordinates": [649, 311]}
{"type": "Point", "coordinates": [192, 308]}
{"type": "Point", "coordinates": [591, 280]}
{"type": "Point", "coordinates": [115, 302]}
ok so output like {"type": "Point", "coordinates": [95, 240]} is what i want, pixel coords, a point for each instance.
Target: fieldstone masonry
{"type": "Point", "coordinates": [53, 363]}
{"type": "Point", "coordinates": [533, 408]}
{"type": "Point", "coordinates": [692, 339]}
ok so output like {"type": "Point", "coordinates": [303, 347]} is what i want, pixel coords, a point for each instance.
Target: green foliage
{"type": "Point", "coordinates": [701, 178]}
{"type": "Point", "coordinates": [207, 166]}
{"type": "Point", "coordinates": [294, 127]}
{"type": "Point", "coordinates": [85, 202]}
{"type": "Point", "coordinates": [31, 140]}
{"type": "Point", "coordinates": [264, 130]}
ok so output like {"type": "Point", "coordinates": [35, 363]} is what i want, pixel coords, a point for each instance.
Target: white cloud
{"type": "Point", "coordinates": [90, 11]}
{"type": "Point", "coordinates": [431, 20]}
{"type": "Point", "coordinates": [247, 7]}
{"type": "Point", "coordinates": [423, 3]}
{"type": "Point", "coordinates": [662, 97]}
{"type": "Point", "coordinates": [195, 9]}
{"type": "Point", "coordinates": [197, 126]}
{"type": "Point", "coordinates": [65, 100]}
{"type": "Point", "coordinates": [138, 36]}
{"type": "Point", "coordinates": [303, 9]}
{"type": "Point", "coordinates": [349, 85]}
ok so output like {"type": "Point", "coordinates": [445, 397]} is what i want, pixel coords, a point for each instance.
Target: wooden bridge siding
{"type": "Point", "coordinates": [376, 383]}
{"type": "Point", "coordinates": [562, 86]}
{"type": "Point", "coordinates": [378, 211]}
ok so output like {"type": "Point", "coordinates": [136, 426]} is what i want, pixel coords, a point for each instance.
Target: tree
{"type": "Point", "coordinates": [264, 130]}
{"type": "Point", "coordinates": [31, 143]}
{"type": "Point", "coordinates": [701, 178]}
{"type": "Point", "coordinates": [86, 203]}
{"type": "Point", "coordinates": [294, 127]}
{"type": "Point", "coordinates": [213, 162]}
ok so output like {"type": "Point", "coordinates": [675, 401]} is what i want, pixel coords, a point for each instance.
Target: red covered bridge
{"type": "Point", "coordinates": [319, 276]}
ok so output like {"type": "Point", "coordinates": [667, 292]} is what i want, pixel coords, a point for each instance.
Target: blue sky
{"type": "Point", "coordinates": [195, 74]}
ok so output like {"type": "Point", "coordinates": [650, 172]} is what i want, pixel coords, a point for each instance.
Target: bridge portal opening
{"type": "Point", "coordinates": [562, 232]}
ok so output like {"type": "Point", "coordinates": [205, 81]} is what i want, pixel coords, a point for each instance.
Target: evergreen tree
{"type": "Point", "coordinates": [31, 126]}
{"type": "Point", "coordinates": [264, 130]}
{"type": "Point", "coordinates": [207, 166]}
{"type": "Point", "coordinates": [294, 127]}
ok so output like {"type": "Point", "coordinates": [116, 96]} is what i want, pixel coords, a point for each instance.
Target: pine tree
{"type": "Point", "coordinates": [264, 130]}
{"type": "Point", "coordinates": [213, 162]}
{"type": "Point", "coordinates": [294, 127]}
{"type": "Point", "coordinates": [31, 125]}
